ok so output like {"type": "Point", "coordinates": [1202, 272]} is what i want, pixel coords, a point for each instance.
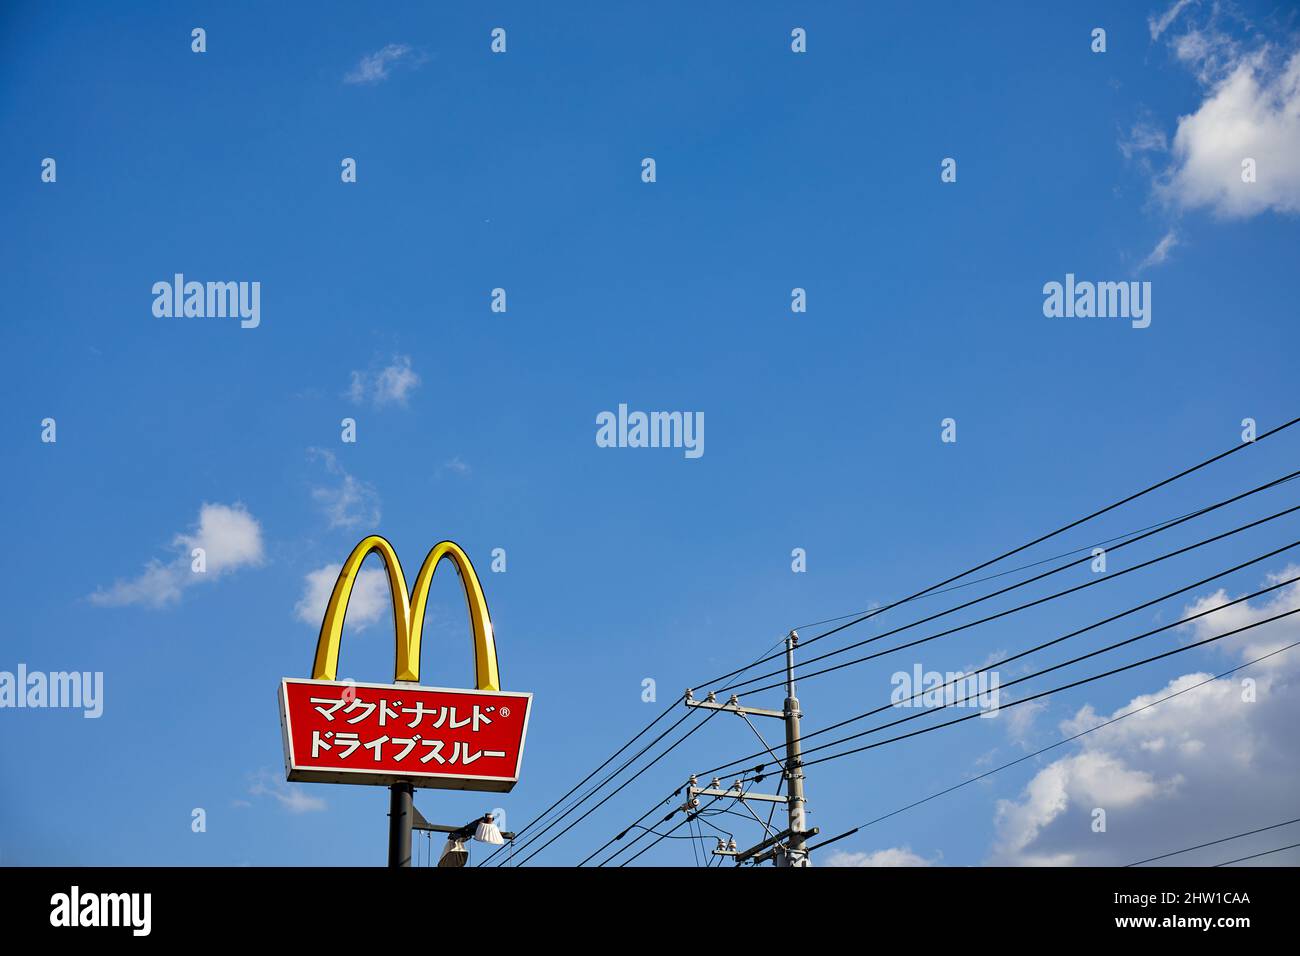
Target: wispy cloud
{"type": "Point", "coordinates": [375, 67]}
{"type": "Point", "coordinates": [230, 538]}
{"type": "Point", "coordinates": [390, 384]}
{"type": "Point", "coordinates": [456, 467]}
{"type": "Point", "coordinates": [348, 502]}
{"type": "Point", "coordinates": [1143, 137]}
{"type": "Point", "coordinates": [1019, 721]}
{"type": "Point", "coordinates": [1161, 252]}
{"type": "Point", "coordinates": [291, 796]}
{"type": "Point", "coordinates": [1160, 24]}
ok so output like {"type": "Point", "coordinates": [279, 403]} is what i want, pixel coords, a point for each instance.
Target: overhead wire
{"type": "Point", "coordinates": [932, 588]}
{"type": "Point", "coordinates": [1041, 538]}
{"type": "Point", "coordinates": [1256, 856]}
{"type": "Point", "coordinates": [1065, 740]}
{"type": "Point", "coordinates": [1220, 504]}
{"type": "Point", "coordinates": [1201, 846]}
{"type": "Point", "coordinates": [1038, 647]}
{"type": "Point", "coordinates": [1054, 690]}
{"type": "Point", "coordinates": [625, 783]}
{"type": "Point", "coordinates": [664, 713]}
{"type": "Point", "coordinates": [653, 844]}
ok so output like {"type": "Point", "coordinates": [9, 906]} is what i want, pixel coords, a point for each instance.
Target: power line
{"type": "Point", "coordinates": [1020, 584]}
{"type": "Point", "coordinates": [610, 759]}
{"type": "Point", "coordinates": [1201, 846]}
{"type": "Point", "coordinates": [1071, 661]}
{"type": "Point", "coordinates": [622, 833]}
{"type": "Point", "coordinates": [1255, 856]}
{"type": "Point", "coordinates": [627, 846]}
{"type": "Point", "coordinates": [704, 821]}
{"type": "Point", "coordinates": [918, 594]}
{"type": "Point", "coordinates": [664, 713]}
{"type": "Point", "coordinates": [1043, 600]}
{"type": "Point", "coordinates": [1023, 567]}
{"type": "Point", "coordinates": [625, 783]}
{"type": "Point", "coordinates": [701, 813]}
{"type": "Point", "coordinates": [1074, 660]}
{"type": "Point", "coordinates": [596, 788]}
{"type": "Point", "coordinates": [1038, 647]}
{"type": "Point", "coordinates": [650, 846]}
{"type": "Point", "coordinates": [1063, 741]}
{"type": "Point", "coordinates": [1039, 540]}
{"type": "Point", "coordinates": [1054, 690]}
{"type": "Point", "coordinates": [693, 836]}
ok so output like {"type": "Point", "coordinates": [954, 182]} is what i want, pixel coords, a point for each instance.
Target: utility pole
{"type": "Point", "coordinates": [789, 847]}
{"type": "Point", "coordinates": [796, 853]}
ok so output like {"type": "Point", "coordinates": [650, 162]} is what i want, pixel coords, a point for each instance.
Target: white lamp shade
{"type": "Point", "coordinates": [488, 832]}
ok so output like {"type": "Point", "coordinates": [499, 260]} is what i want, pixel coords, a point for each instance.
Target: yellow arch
{"type": "Point", "coordinates": [408, 612]}
{"type": "Point", "coordinates": [485, 647]}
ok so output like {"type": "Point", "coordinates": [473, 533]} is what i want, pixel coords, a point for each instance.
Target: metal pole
{"type": "Point", "coordinates": [400, 806]}
{"type": "Point", "coordinates": [401, 814]}
{"type": "Point", "coordinates": [796, 853]}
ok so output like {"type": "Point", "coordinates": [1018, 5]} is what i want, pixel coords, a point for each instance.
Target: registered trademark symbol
{"type": "Point", "coordinates": [505, 711]}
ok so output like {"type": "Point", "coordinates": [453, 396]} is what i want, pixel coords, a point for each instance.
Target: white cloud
{"type": "Point", "coordinates": [894, 856]}
{"type": "Point", "coordinates": [1204, 764]}
{"type": "Point", "coordinates": [390, 385]}
{"type": "Point", "coordinates": [1260, 640]}
{"type": "Point", "coordinates": [230, 537]}
{"type": "Point", "coordinates": [369, 601]}
{"type": "Point", "coordinates": [1250, 110]}
{"type": "Point", "coordinates": [375, 67]}
{"type": "Point", "coordinates": [395, 382]}
{"type": "Point", "coordinates": [291, 796]}
{"type": "Point", "coordinates": [1250, 115]}
{"type": "Point", "coordinates": [1087, 780]}
{"type": "Point", "coordinates": [1161, 252]}
{"type": "Point", "coordinates": [349, 502]}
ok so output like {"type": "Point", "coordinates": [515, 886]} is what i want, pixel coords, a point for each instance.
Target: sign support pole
{"type": "Point", "coordinates": [401, 814]}
{"type": "Point", "coordinates": [400, 810]}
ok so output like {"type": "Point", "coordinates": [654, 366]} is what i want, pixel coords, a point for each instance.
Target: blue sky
{"type": "Point", "coordinates": [522, 171]}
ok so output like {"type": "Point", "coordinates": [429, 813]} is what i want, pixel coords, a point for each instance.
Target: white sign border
{"type": "Point", "coordinates": [427, 781]}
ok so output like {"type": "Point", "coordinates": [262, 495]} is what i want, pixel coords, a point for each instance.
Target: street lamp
{"type": "Point", "coordinates": [454, 851]}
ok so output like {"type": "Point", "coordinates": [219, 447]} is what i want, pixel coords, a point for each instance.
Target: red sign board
{"type": "Point", "coordinates": [381, 734]}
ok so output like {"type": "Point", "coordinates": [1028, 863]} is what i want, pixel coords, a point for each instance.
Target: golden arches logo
{"type": "Point", "coordinates": [408, 612]}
